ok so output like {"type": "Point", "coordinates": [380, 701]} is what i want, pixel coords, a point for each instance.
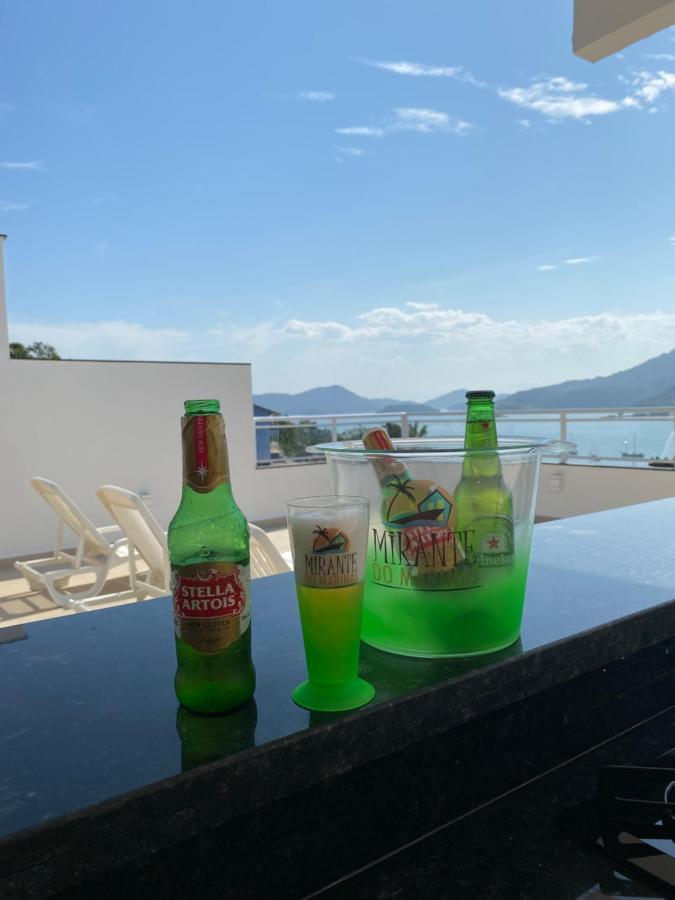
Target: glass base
{"type": "Point", "coordinates": [333, 698]}
{"type": "Point", "coordinates": [441, 654]}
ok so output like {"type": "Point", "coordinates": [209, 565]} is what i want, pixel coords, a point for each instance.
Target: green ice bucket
{"type": "Point", "coordinates": [446, 567]}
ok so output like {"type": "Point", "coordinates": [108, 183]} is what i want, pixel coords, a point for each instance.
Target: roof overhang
{"type": "Point", "coordinates": [603, 27]}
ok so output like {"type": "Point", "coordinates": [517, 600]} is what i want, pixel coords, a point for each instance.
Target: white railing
{"type": "Point", "coordinates": [636, 434]}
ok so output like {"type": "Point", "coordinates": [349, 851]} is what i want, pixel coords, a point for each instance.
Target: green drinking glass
{"type": "Point", "coordinates": [329, 537]}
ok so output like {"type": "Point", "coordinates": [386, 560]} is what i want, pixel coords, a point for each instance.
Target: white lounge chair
{"type": "Point", "coordinates": [94, 554]}
{"type": "Point", "coordinates": [265, 558]}
{"type": "Point", "coordinates": [146, 539]}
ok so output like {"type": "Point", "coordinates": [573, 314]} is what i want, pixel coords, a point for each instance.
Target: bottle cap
{"type": "Point", "coordinates": [201, 407]}
{"type": "Point", "coordinates": [477, 395]}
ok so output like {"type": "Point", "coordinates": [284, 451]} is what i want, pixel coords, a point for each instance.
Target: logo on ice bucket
{"type": "Point", "coordinates": [416, 502]}
{"type": "Point", "coordinates": [419, 541]}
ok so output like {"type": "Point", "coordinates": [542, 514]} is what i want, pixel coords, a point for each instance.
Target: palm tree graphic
{"type": "Point", "coordinates": [320, 533]}
{"type": "Point", "coordinates": [401, 488]}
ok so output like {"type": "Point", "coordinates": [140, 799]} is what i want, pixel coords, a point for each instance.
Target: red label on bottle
{"type": "Point", "coordinates": [211, 604]}
{"type": "Point", "coordinates": [209, 595]}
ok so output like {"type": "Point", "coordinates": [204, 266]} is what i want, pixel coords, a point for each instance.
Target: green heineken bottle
{"type": "Point", "coordinates": [209, 553]}
{"type": "Point", "coordinates": [484, 502]}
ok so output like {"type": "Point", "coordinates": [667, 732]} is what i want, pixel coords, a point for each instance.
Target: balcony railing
{"type": "Point", "coordinates": [627, 436]}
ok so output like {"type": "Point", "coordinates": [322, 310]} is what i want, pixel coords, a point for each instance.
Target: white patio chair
{"type": "Point", "coordinates": [265, 558]}
{"type": "Point", "coordinates": [93, 555]}
{"type": "Point", "coordinates": [147, 540]}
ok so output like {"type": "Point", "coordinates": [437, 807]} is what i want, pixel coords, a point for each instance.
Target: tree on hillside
{"type": "Point", "coordinates": [37, 350]}
{"type": "Point", "coordinates": [415, 429]}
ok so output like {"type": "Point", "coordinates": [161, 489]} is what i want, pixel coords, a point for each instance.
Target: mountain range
{"type": "Point", "coordinates": [651, 383]}
{"type": "Point", "coordinates": [336, 400]}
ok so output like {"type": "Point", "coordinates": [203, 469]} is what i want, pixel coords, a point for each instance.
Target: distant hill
{"type": "Point", "coordinates": [652, 383]}
{"type": "Point", "coordinates": [336, 399]}
{"type": "Point", "coordinates": [409, 406]}
{"type": "Point", "coordinates": [327, 400]}
{"type": "Point", "coordinates": [453, 400]}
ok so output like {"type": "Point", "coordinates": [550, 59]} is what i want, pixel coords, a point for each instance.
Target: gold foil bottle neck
{"type": "Point", "coordinates": [205, 463]}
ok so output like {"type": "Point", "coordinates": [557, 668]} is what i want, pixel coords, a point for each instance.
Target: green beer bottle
{"type": "Point", "coordinates": [484, 502]}
{"type": "Point", "coordinates": [209, 553]}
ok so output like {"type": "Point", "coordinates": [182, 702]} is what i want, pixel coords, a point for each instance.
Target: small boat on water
{"type": "Point", "coordinates": [631, 454]}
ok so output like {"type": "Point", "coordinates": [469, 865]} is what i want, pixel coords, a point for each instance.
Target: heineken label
{"type": "Point", "coordinates": [211, 604]}
{"type": "Point", "coordinates": [493, 541]}
{"type": "Point", "coordinates": [481, 434]}
{"type": "Point", "coordinates": [205, 463]}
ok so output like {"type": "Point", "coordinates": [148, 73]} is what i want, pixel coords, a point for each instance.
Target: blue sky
{"type": "Point", "coordinates": [402, 197]}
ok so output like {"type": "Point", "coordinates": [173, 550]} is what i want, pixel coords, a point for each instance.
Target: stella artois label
{"type": "Point", "coordinates": [211, 604]}
{"type": "Point", "coordinates": [205, 464]}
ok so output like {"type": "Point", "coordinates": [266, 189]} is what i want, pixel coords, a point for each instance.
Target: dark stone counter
{"type": "Point", "coordinates": [92, 743]}
{"type": "Point", "coordinates": [514, 847]}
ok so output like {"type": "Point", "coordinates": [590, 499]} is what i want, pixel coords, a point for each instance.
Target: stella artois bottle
{"type": "Point", "coordinates": [484, 501]}
{"type": "Point", "coordinates": [209, 553]}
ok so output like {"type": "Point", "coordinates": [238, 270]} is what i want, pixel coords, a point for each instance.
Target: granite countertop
{"type": "Point", "coordinates": [514, 847]}
{"type": "Point", "coordinates": [90, 729]}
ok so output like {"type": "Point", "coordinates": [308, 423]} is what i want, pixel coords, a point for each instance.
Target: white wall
{"type": "Point", "coordinates": [83, 424]}
{"type": "Point", "coordinates": [573, 490]}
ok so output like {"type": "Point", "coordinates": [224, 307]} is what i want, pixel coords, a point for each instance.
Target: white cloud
{"type": "Point", "coordinates": [105, 339]}
{"type": "Point", "coordinates": [416, 69]}
{"type": "Point", "coordinates": [101, 248]}
{"type": "Point", "coordinates": [342, 153]}
{"type": "Point", "coordinates": [421, 70]}
{"type": "Point", "coordinates": [426, 121]}
{"type": "Point", "coordinates": [361, 131]}
{"type": "Point", "coordinates": [408, 347]}
{"type": "Point", "coordinates": [559, 98]}
{"type": "Point", "coordinates": [11, 206]}
{"type": "Point", "coordinates": [412, 118]}
{"type": "Point", "coordinates": [482, 347]}
{"type": "Point", "coordinates": [546, 268]}
{"type": "Point", "coordinates": [431, 322]}
{"type": "Point", "coordinates": [579, 260]}
{"type": "Point", "coordinates": [33, 165]}
{"type": "Point", "coordinates": [316, 96]}
{"type": "Point", "coordinates": [664, 57]}
{"type": "Point", "coordinates": [648, 86]}
{"type": "Point", "coordinates": [524, 123]}
{"type": "Point", "coordinates": [413, 304]}
{"type": "Point", "coordinates": [672, 240]}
